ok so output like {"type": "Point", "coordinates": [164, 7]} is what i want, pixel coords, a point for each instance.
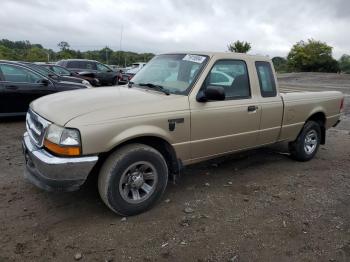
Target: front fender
{"type": "Point", "coordinates": [136, 132]}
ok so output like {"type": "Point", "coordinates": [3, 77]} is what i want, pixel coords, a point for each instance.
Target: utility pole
{"type": "Point", "coordinates": [106, 55]}
{"type": "Point", "coordinates": [120, 44]}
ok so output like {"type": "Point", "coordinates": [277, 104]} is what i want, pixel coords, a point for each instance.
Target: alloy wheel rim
{"type": "Point", "coordinates": [138, 182]}
{"type": "Point", "coordinates": [310, 142]}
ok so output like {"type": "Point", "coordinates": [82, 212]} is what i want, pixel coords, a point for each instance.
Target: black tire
{"type": "Point", "coordinates": [113, 187]}
{"type": "Point", "coordinates": [94, 83]}
{"type": "Point", "coordinates": [302, 149]}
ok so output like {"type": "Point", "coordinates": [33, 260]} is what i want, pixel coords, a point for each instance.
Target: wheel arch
{"type": "Point", "coordinates": [156, 142]}
{"type": "Point", "coordinates": [320, 118]}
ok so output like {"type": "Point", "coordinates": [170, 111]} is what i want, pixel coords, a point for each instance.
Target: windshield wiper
{"type": "Point", "coordinates": [157, 87]}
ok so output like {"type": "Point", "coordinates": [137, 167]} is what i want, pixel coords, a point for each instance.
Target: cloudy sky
{"type": "Point", "coordinates": [271, 26]}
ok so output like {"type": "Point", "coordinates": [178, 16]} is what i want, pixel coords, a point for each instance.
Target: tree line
{"type": "Point", "coordinates": [304, 56]}
{"type": "Point", "coordinates": [26, 51]}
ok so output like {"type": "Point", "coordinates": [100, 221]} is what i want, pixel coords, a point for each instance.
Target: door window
{"type": "Point", "coordinates": [82, 65]}
{"type": "Point", "coordinates": [75, 64]}
{"type": "Point", "coordinates": [232, 75]}
{"type": "Point", "coordinates": [266, 79]}
{"type": "Point", "coordinates": [18, 74]}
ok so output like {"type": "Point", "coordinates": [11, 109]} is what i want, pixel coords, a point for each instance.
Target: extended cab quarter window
{"type": "Point", "coordinates": [266, 79]}
{"type": "Point", "coordinates": [232, 75]}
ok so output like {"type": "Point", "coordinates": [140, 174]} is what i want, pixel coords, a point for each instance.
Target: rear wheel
{"type": "Point", "coordinates": [305, 147]}
{"type": "Point", "coordinates": [132, 179]}
{"type": "Point", "coordinates": [116, 81]}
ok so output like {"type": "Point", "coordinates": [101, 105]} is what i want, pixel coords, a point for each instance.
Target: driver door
{"type": "Point", "coordinates": [219, 127]}
{"type": "Point", "coordinates": [20, 86]}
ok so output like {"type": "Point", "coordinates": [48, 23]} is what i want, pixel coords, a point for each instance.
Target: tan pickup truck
{"type": "Point", "coordinates": [180, 109]}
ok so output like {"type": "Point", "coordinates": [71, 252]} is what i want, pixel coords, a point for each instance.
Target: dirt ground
{"type": "Point", "coordinates": [254, 206]}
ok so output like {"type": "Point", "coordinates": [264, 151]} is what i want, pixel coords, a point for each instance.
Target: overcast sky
{"type": "Point", "coordinates": [271, 26]}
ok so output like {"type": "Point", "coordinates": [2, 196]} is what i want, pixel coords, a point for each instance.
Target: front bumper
{"type": "Point", "coordinates": [53, 173]}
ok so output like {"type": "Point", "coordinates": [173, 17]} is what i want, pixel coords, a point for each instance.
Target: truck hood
{"type": "Point", "coordinates": [98, 105]}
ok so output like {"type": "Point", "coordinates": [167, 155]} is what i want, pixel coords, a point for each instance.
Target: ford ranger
{"type": "Point", "coordinates": [180, 109]}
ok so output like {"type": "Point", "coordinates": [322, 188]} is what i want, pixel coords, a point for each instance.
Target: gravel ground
{"type": "Point", "coordinates": [255, 206]}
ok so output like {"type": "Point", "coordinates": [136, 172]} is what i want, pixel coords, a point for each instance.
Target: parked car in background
{"type": "Point", "coordinates": [50, 74]}
{"type": "Point", "coordinates": [116, 68]}
{"type": "Point", "coordinates": [21, 84]}
{"type": "Point", "coordinates": [62, 71]}
{"type": "Point", "coordinates": [92, 68]}
{"type": "Point", "coordinates": [135, 67]}
{"type": "Point", "coordinates": [125, 78]}
{"type": "Point", "coordinates": [131, 71]}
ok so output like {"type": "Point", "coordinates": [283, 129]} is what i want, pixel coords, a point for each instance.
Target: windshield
{"type": "Point", "coordinates": [58, 70]}
{"type": "Point", "coordinates": [175, 72]}
{"type": "Point", "coordinates": [41, 70]}
{"type": "Point", "coordinates": [104, 68]}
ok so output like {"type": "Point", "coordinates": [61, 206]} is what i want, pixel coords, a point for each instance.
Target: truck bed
{"type": "Point", "coordinates": [295, 88]}
{"type": "Point", "coordinates": [301, 103]}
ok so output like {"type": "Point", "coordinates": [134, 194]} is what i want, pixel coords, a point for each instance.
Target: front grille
{"type": "Point", "coordinates": [36, 127]}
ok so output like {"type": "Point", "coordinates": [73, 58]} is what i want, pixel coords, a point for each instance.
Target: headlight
{"type": "Point", "coordinates": [63, 141]}
{"type": "Point", "coordinates": [86, 83]}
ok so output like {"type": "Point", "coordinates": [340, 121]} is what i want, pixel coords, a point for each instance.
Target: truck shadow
{"type": "Point", "coordinates": [234, 168]}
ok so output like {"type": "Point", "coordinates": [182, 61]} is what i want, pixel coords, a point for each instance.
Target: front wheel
{"type": "Point", "coordinates": [132, 179]}
{"type": "Point", "coordinates": [305, 147]}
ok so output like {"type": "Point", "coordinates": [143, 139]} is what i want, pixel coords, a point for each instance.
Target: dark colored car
{"type": "Point", "coordinates": [50, 74]}
{"type": "Point", "coordinates": [64, 72]}
{"type": "Point", "coordinates": [103, 73]}
{"type": "Point", "coordinates": [125, 78]}
{"type": "Point", "coordinates": [20, 85]}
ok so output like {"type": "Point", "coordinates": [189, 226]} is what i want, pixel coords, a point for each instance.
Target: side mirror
{"type": "Point", "coordinates": [211, 93]}
{"type": "Point", "coordinates": [45, 82]}
{"type": "Point", "coordinates": [52, 76]}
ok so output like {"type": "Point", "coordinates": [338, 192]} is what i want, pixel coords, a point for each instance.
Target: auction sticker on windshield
{"type": "Point", "coordinates": [194, 58]}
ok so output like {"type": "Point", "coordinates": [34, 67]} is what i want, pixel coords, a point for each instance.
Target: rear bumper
{"type": "Point", "coordinates": [53, 173]}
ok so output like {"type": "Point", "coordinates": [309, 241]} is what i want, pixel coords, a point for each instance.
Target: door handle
{"type": "Point", "coordinates": [12, 87]}
{"type": "Point", "coordinates": [252, 108]}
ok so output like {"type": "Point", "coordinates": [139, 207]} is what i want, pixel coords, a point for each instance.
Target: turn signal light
{"type": "Point", "coordinates": [62, 150]}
